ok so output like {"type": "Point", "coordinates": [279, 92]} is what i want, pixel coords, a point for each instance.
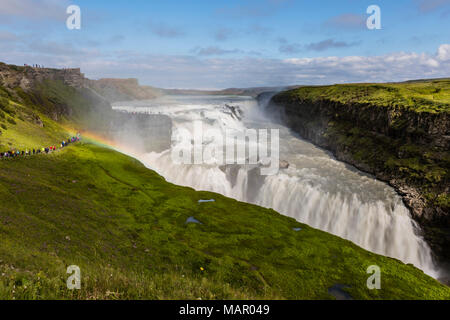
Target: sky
{"type": "Point", "coordinates": [232, 43]}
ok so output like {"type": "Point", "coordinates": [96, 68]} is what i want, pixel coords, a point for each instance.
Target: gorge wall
{"type": "Point", "coordinates": [407, 149]}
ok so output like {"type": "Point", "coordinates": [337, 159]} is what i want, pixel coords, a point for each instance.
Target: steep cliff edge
{"type": "Point", "coordinates": [26, 77]}
{"type": "Point", "coordinates": [398, 132]}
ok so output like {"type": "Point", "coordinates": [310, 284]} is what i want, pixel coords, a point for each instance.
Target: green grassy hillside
{"type": "Point", "coordinates": [22, 126]}
{"type": "Point", "coordinates": [40, 117]}
{"type": "Point", "coordinates": [125, 226]}
{"type": "Point", "coordinates": [421, 96]}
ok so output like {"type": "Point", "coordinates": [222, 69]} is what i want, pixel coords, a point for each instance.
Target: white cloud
{"type": "Point", "coordinates": [444, 52]}
{"type": "Point", "coordinates": [193, 71]}
{"type": "Point", "coordinates": [187, 71]}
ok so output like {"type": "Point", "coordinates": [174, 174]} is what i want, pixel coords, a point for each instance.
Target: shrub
{"type": "Point", "coordinates": [3, 126]}
{"type": "Point", "coordinates": [12, 121]}
{"type": "Point", "coordinates": [10, 111]}
{"type": "Point", "coordinates": [5, 107]}
{"type": "Point", "coordinates": [4, 103]}
{"type": "Point", "coordinates": [3, 92]}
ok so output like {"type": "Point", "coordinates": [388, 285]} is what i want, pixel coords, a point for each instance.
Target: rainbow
{"type": "Point", "coordinates": [99, 139]}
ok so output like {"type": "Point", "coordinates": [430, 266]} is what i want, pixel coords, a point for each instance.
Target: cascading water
{"type": "Point", "coordinates": [315, 189]}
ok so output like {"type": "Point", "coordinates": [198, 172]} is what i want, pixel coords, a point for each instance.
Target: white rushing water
{"type": "Point", "coordinates": [316, 189]}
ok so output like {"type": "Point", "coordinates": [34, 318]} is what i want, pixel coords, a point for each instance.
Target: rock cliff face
{"type": "Point", "coordinates": [27, 77]}
{"type": "Point", "coordinates": [427, 129]}
{"type": "Point", "coordinates": [407, 149]}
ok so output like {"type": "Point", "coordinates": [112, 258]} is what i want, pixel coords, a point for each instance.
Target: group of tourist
{"type": "Point", "coordinates": [37, 66]}
{"type": "Point", "coordinates": [16, 153]}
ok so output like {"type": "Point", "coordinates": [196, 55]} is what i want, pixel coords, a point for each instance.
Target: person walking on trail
{"type": "Point", "coordinates": [14, 153]}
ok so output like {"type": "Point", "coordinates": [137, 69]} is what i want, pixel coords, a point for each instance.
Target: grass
{"type": "Point", "coordinates": [38, 118]}
{"type": "Point", "coordinates": [422, 96]}
{"type": "Point", "coordinates": [21, 131]}
{"type": "Point", "coordinates": [124, 225]}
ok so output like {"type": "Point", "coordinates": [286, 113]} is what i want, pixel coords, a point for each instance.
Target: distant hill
{"type": "Point", "coordinates": [115, 90]}
{"type": "Point", "coordinates": [252, 92]}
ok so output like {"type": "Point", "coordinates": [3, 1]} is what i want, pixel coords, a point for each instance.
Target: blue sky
{"type": "Point", "coordinates": [234, 43]}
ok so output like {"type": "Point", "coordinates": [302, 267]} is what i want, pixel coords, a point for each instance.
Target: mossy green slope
{"type": "Point", "coordinates": [40, 117]}
{"type": "Point", "coordinates": [421, 96]}
{"type": "Point", "coordinates": [125, 226]}
{"type": "Point", "coordinates": [23, 133]}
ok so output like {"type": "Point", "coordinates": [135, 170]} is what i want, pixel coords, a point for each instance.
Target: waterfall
{"type": "Point", "coordinates": [315, 189]}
